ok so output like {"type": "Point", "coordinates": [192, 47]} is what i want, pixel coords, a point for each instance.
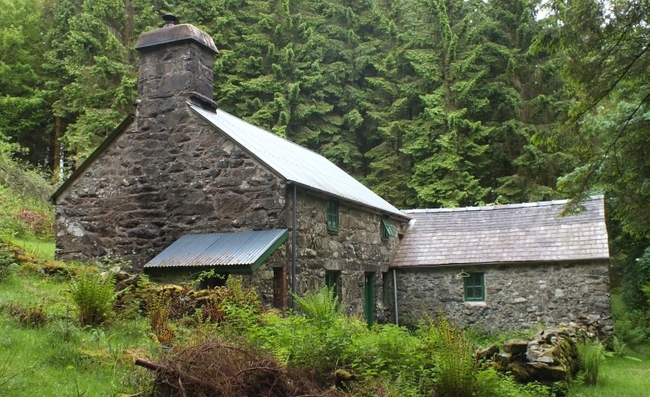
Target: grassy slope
{"type": "Point", "coordinates": [60, 358]}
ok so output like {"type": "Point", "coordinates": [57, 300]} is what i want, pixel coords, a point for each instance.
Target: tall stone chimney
{"type": "Point", "coordinates": [176, 62]}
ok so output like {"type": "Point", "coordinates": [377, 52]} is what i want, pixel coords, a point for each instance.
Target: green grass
{"type": "Point", "coordinates": [620, 377]}
{"type": "Point", "coordinates": [40, 249]}
{"type": "Point", "coordinates": [61, 358]}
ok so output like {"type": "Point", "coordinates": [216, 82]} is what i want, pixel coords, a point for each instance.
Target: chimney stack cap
{"type": "Point", "coordinates": [171, 33]}
{"type": "Point", "coordinates": [170, 20]}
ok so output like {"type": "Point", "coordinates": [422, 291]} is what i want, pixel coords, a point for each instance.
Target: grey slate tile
{"type": "Point", "coordinates": [529, 232]}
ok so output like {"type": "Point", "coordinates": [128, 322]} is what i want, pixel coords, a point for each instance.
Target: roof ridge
{"type": "Point", "coordinates": [493, 207]}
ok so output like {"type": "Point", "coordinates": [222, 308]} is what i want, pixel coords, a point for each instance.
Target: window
{"type": "Point", "coordinates": [387, 229]}
{"type": "Point", "coordinates": [474, 287]}
{"type": "Point", "coordinates": [333, 216]}
{"type": "Point", "coordinates": [333, 280]}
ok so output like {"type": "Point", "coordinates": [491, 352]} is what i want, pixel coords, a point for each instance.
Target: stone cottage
{"type": "Point", "coordinates": [190, 179]}
{"type": "Point", "coordinates": [507, 266]}
{"type": "Point", "coordinates": [183, 187]}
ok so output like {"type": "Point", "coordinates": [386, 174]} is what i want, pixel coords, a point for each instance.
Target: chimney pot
{"type": "Point", "coordinates": [170, 20]}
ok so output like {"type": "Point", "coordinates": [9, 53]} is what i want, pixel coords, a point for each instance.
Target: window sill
{"type": "Point", "coordinates": [475, 303]}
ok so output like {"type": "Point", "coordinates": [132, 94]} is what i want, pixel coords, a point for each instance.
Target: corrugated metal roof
{"type": "Point", "coordinates": [218, 249]}
{"type": "Point", "coordinates": [530, 232]}
{"type": "Point", "coordinates": [295, 163]}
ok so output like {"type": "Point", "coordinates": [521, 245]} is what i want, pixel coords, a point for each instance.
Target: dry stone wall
{"type": "Point", "coordinates": [153, 185]}
{"type": "Point", "coordinates": [516, 296]}
{"type": "Point", "coordinates": [357, 248]}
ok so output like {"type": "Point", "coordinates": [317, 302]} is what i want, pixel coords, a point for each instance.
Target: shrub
{"type": "Point", "coordinates": [636, 274]}
{"type": "Point", "coordinates": [309, 345]}
{"type": "Point", "coordinates": [455, 372]}
{"type": "Point", "coordinates": [591, 354]}
{"type": "Point", "coordinates": [8, 263]}
{"type": "Point", "coordinates": [24, 200]}
{"type": "Point", "coordinates": [315, 342]}
{"type": "Point", "coordinates": [493, 384]}
{"type": "Point", "coordinates": [31, 316]}
{"type": "Point", "coordinates": [158, 311]}
{"type": "Point", "coordinates": [241, 306]}
{"type": "Point", "coordinates": [94, 295]}
{"type": "Point", "coordinates": [390, 351]}
{"type": "Point", "coordinates": [630, 326]}
{"type": "Point", "coordinates": [320, 305]}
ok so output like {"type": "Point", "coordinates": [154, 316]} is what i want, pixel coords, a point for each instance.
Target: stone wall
{"type": "Point", "coordinates": [356, 249]}
{"type": "Point", "coordinates": [516, 296]}
{"type": "Point", "coordinates": [152, 186]}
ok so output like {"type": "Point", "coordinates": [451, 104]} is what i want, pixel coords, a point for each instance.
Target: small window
{"type": "Point", "coordinates": [387, 229]}
{"type": "Point", "coordinates": [333, 216]}
{"type": "Point", "coordinates": [333, 280]}
{"type": "Point", "coordinates": [474, 288]}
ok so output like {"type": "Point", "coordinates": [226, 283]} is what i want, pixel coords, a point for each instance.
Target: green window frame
{"type": "Point", "coordinates": [333, 216]}
{"type": "Point", "coordinates": [474, 287]}
{"type": "Point", "coordinates": [387, 230]}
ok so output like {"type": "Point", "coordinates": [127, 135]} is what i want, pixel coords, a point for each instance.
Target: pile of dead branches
{"type": "Point", "coordinates": [212, 369]}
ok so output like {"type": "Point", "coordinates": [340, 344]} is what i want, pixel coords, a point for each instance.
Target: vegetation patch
{"type": "Point", "coordinates": [214, 369]}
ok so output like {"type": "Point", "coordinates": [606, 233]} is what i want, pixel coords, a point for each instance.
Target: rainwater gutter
{"type": "Point", "coordinates": [294, 248]}
{"type": "Point", "coordinates": [395, 296]}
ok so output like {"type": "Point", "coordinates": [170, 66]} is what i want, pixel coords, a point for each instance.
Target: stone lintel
{"type": "Point", "coordinates": [174, 34]}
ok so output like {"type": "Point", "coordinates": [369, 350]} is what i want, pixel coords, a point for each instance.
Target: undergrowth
{"type": "Point", "coordinates": [25, 209]}
{"type": "Point", "coordinates": [8, 263]}
{"type": "Point", "coordinates": [93, 295]}
{"type": "Point", "coordinates": [591, 354]}
{"type": "Point", "coordinates": [455, 374]}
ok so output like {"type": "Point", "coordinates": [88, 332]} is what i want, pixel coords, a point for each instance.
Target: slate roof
{"type": "Point", "coordinates": [516, 233]}
{"type": "Point", "coordinates": [295, 163]}
{"type": "Point", "coordinates": [245, 248]}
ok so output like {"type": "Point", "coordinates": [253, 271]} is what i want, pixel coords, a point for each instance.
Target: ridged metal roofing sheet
{"type": "Point", "coordinates": [295, 163]}
{"type": "Point", "coordinates": [217, 249]}
{"type": "Point", "coordinates": [516, 233]}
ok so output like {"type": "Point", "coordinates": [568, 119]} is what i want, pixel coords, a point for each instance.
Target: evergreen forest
{"type": "Point", "coordinates": [430, 103]}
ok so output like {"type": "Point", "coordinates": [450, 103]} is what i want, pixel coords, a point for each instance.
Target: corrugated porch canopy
{"type": "Point", "coordinates": [236, 251]}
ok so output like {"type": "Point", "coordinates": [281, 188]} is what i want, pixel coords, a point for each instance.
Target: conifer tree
{"type": "Point", "coordinates": [93, 67]}
{"type": "Point", "coordinates": [24, 109]}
